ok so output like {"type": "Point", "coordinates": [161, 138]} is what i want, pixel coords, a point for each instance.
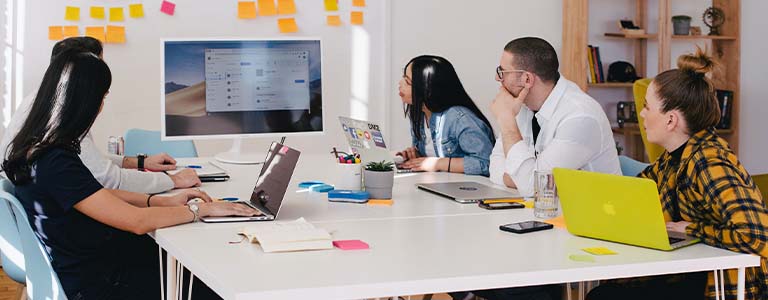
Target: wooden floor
{"type": "Point", "coordinates": [9, 289]}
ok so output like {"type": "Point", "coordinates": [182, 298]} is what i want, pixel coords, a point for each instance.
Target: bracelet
{"type": "Point", "coordinates": [449, 164]}
{"type": "Point", "coordinates": [150, 197]}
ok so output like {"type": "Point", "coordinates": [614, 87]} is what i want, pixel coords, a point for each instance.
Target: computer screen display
{"type": "Point", "coordinates": [220, 88]}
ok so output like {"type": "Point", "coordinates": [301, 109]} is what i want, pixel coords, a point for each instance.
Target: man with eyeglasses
{"type": "Point", "coordinates": [545, 120]}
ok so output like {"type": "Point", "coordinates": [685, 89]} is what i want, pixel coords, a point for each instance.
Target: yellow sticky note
{"type": "Point", "coordinates": [558, 222]}
{"type": "Point", "coordinates": [356, 18]}
{"type": "Point", "coordinates": [286, 7]}
{"type": "Point", "coordinates": [115, 34]}
{"type": "Point", "coordinates": [55, 33]}
{"type": "Point", "coordinates": [72, 13]}
{"type": "Point", "coordinates": [116, 14]}
{"type": "Point", "coordinates": [97, 12]}
{"type": "Point", "coordinates": [287, 25]}
{"type": "Point", "coordinates": [581, 258]}
{"type": "Point", "coordinates": [528, 204]}
{"type": "Point", "coordinates": [331, 5]}
{"type": "Point", "coordinates": [599, 251]}
{"type": "Point", "coordinates": [334, 20]}
{"type": "Point", "coordinates": [246, 9]}
{"type": "Point", "coordinates": [358, 3]}
{"type": "Point", "coordinates": [70, 31]}
{"type": "Point", "coordinates": [96, 32]}
{"type": "Point", "coordinates": [136, 10]}
{"type": "Point", "coordinates": [267, 8]}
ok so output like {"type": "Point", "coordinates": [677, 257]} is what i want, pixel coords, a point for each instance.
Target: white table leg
{"type": "Point", "coordinates": [740, 285]}
{"type": "Point", "coordinates": [171, 277]}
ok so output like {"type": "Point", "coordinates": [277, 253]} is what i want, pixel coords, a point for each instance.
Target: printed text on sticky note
{"type": "Point", "coordinates": [287, 25]}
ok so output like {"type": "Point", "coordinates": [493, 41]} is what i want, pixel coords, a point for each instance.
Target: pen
{"type": "Point", "coordinates": [229, 199]}
{"type": "Point", "coordinates": [191, 167]}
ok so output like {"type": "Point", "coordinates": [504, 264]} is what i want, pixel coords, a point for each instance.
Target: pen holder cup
{"type": "Point", "coordinates": [348, 177]}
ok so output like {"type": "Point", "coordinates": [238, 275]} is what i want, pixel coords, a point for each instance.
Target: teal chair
{"type": "Point", "coordinates": [10, 243]}
{"type": "Point", "coordinates": [631, 167]}
{"type": "Point", "coordinates": [42, 282]}
{"type": "Point", "coordinates": [149, 142]}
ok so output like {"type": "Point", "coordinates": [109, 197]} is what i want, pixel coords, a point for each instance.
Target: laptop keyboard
{"type": "Point", "coordinates": [672, 240]}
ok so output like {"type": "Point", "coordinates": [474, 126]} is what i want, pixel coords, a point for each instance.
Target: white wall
{"type": "Point", "coordinates": [753, 140]}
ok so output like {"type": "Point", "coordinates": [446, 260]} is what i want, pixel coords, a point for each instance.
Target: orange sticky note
{"type": "Point", "coordinates": [267, 8]}
{"type": "Point", "coordinates": [356, 18]}
{"type": "Point", "coordinates": [115, 34]}
{"type": "Point", "coordinates": [287, 25]}
{"type": "Point", "coordinates": [55, 33]}
{"type": "Point", "coordinates": [246, 9]}
{"type": "Point", "coordinates": [358, 3]}
{"type": "Point", "coordinates": [72, 13]}
{"type": "Point", "coordinates": [286, 7]}
{"type": "Point", "coordinates": [136, 10]}
{"type": "Point", "coordinates": [331, 5]}
{"type": "Point", "coordinates": [116, 14]}
{"type": "Point", "coordinates": [70, 31]}
{"type": "Point", "coordinates": [558, 222]}
{"type": "Point", "coordinates": [96, 32]}
{"type": "Point", "coordinates": [333, 20]}
{"type": "Point", "coordinates": [97, 12]}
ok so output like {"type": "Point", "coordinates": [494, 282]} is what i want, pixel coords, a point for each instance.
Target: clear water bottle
{"type": "Point", "coordinates": [115, 145]}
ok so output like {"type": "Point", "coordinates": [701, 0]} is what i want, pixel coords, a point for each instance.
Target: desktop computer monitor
{"type": "Point", "coordinates": [236, 89]}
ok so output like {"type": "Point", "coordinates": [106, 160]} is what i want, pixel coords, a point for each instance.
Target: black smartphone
{"type": "Point", "coordinates": [525, 227]}
{"type": "Point", "coordinates": [214, 178]}
{"type": "Point", "coordinates": [500, 205]}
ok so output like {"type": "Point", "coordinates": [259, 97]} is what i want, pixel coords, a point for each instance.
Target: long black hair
{"type": "Point", "coordinates": [67, 103]}
{"type": "Point", "coordinates": [436, 85]}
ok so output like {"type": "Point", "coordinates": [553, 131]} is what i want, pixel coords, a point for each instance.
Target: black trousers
{"type": "Point", "coordinates": [540, 292]}
{"type": "Point", "coordinates": [689, 286]}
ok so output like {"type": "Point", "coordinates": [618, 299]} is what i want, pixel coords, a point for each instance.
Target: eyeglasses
{"type": "Point", "coordinates": [500, 72]}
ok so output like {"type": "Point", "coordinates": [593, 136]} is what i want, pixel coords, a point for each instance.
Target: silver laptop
{"type": "Point", "coordinates": [367, 139]}
{"type": "Point", "coordinates": [467, 191]}
{"type": "Point", "coordinates": [267, 196]}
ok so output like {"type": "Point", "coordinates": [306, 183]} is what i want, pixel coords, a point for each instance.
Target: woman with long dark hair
{"type": "Point", "coordinates": [448, 131]}
{"type": "Point", "coordinates": [95, 237]}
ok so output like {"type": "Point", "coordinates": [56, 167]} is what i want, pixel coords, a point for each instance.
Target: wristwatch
{"type": "Point", "coordinates": [195, 211]}
{"type": "Point", "coordinates": [140, 158]}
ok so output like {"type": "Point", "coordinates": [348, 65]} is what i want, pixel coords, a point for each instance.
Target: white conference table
{"type": "Point", "coordinates": [422, 244]}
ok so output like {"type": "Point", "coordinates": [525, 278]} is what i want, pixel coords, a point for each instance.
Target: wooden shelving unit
{"type": "Point", "coordinates": [726, 48]}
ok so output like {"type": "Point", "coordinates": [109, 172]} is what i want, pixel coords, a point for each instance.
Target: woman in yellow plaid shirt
{"type": "Point", "coordinates": [705, 191]}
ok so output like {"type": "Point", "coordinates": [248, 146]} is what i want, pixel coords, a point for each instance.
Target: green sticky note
{"type": "Point", "coordinates": [581, 258]}
{"type": "Point", "coordinates": [599, 251]}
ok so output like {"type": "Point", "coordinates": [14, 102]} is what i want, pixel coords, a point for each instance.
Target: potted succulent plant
{"type": "Point", "coordinates": [379, 177]}
{"type": "Point", "coordinates": [681, 24]}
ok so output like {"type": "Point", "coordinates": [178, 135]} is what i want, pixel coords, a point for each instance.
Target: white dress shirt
{"type": "Point", "coordinates": [106, 169]}
{"type": "Point", "coordinates": [575, 134]}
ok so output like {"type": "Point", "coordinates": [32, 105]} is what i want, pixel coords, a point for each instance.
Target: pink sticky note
{"type": "Point", "coordinates": [350, 245]}
{"type": "Point", "coordinates": [168, 7]}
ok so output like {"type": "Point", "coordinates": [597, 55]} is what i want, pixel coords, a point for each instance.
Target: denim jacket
{"type": "Point", "coordinates": [458, 132]}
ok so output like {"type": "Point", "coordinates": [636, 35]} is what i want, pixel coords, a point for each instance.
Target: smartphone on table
{"type": "Point", "coordinates": [525, 227]}
{"type": "Point", "coordinates": [500, 205]}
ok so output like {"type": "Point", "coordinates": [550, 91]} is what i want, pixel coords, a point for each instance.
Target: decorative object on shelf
{"type": "Point", "coordinates": [695, 30]}
{"type": "Point", "coordinates": [725, 100]}
{"type": "Point", "coordinates": [681, 24]}
{"type": "Point", "coordinates": [714, 18]}
{"type": "Point", "coordinates": [628, 27]}
{"type": "Point", "coordinates": [378, 179]}
{"type": "Point", "coordinates": [622, 71]}
{"type": "Point", "coordinates": [626, 113]}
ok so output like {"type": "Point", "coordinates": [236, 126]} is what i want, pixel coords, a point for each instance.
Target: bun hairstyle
{"type": "Point", "coordinates": [689, 90]}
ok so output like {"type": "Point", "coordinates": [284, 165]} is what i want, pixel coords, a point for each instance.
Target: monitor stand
{"type": "Point", "coordinates": [235, 155]}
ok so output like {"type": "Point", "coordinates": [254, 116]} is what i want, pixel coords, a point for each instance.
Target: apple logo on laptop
{"type": "Point", "coordinates": [609, 209]}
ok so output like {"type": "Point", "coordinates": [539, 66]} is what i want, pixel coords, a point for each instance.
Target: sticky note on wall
{"type": "Point", "coordinates": [331, 5]}
{"type": "Point", "coordinates": [168, 8]}
{"type": "Point", "coordinates": [115, 34]}
{"type": "Point", "coordinates": [96, 32]}
{"type": "Point", "coordinates": [70, 31]}
{"type": "Point", "coordinates": [55, 33]}
{"type": "Point", "coordinates": [358, 3]}
{"type": "Point", "coordinates": [333, 20]}
{"type": "Point", "coordinates": [136, 10]}
{"type": "Point", "coordinates": [72, 13]}
{"type": "Point", "coordinates": [356, 18]}
{"type": "Point", "coordinates": [116, 14]}
{"type": "Point", "coordinates": [246, 9]}
{"type": "Point", "coordinates": [267, 8]}
{"type": "Point", "coordinates": [97, 12]}
{"type": "Point", "coordinates": [287, 25]}
{"type": "Point", "coordinates": [286, 7]}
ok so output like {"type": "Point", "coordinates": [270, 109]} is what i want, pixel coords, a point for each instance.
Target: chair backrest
{"type": "Point", "coordinates": [640, 88]}
{"type": "Point", "coordinates": [631, 167]}
{"type": "Point", "coordinates": [762, 183]}
{"type": "Point", "coordinates": [10, 243]}
{"type": "Point", "coordinates": [149, 142]}
{"type": "Point", "coordinates": [42, 282]}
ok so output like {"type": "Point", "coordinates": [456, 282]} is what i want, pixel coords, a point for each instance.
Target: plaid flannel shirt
{"type": "Point", "coordinates": [711, 189]}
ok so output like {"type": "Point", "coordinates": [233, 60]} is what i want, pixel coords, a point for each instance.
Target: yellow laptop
{"type": "Point", "coordinates": [615, 208]}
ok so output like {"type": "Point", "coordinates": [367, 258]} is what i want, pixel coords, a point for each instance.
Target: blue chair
{"type": "Point", "coordinates": [10, 243]}
{"type": "Point", "coordinates": [149, 142]}
{"type": "Point", "coordinates": [42, 282]}
{"type": "Point", "coordinates": [631, 167]}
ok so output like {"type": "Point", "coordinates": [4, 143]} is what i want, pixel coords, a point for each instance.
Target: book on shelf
{"type": "Point", "coordinates": [599, 65]}
{"type": "Point", "coordinates": [298, 235]}
{"type": "Point", "coordinates": [592, 77]}
{"type": "Point", "coordinates": [725, 100]}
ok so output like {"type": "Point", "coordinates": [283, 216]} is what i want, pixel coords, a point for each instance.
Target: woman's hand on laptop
{"type": "Point", "coordinates": [226, 209]}
{"type": "Point", "coordinates": [428, 164]}
{"type": "Point", "coordinates": [408, 153]}
{"type": "Point", "coordinates": [181, 198]}
{"type": "Point", "coordinates": [677, 226]}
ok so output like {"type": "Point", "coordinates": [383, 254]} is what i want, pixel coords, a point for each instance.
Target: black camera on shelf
{"type": "Point", "coordinates": [625, 113]}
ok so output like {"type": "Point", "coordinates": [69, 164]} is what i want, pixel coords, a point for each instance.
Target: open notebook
{"type": "Point", "coordinates": [296, 235]}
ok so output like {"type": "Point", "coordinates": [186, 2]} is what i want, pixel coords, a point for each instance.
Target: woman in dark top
{"type": "Point", "coordinates": [95, 237]}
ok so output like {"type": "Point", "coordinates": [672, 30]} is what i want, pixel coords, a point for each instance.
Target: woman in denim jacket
{"type": "Point", "coordinates": [449, 132]}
